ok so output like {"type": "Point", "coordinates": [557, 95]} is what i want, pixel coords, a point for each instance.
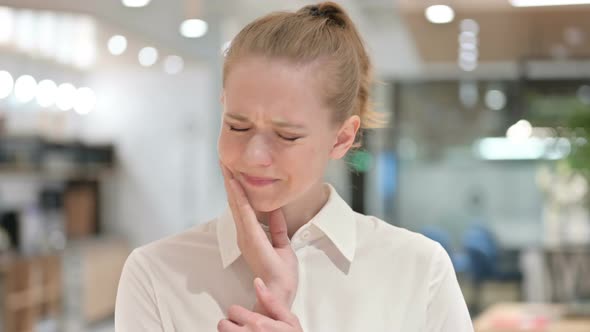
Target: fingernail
{"type": "Point", "coordinates": [260, 284]}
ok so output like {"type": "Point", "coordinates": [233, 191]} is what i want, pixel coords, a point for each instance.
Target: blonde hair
{"type": "Point", "coordinates": [322, 32]}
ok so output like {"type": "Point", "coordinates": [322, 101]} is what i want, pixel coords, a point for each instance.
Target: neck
{"type": "Point", "coordinates": [300, 211]}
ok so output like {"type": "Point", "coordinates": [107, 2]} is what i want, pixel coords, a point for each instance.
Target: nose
{"type": "Point", "coordinates": [258, 152]}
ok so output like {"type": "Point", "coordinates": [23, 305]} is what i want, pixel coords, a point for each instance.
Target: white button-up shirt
{"type": "Point", "coordinates": [356, 273]}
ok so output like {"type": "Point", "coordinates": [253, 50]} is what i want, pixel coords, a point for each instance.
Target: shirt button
{"type": "Point", "coordinates": [305, 235]}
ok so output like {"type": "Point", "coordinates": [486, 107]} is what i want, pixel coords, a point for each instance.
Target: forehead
{"type": "Point", "coordinates": [273, 87]}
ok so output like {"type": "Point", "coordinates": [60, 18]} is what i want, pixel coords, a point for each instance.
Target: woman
{"type": "Point", "coordinates": [289, 254]}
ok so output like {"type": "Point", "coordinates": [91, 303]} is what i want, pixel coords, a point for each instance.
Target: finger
{"type": "Point", "coordinates": [240, 315]}
{"type": "Point", "coordinates": [225, 325]}
{"type": "Point", "coordinates": [249, 221]}
{"type": "Point", "coordinates": [226, 172]}
{"type": "Point", "coordinates": [278, 229]}
{"type": "Point", "coordinates": [276, 309]}
{"type": "Point", "coordinates": [227, 177]}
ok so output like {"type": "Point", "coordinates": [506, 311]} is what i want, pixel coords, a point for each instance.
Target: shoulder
{"type": "Point", "coordinates": [395, 241]}
{"type": "Point", "coordinates": [159, 268]}
{"type": "Point", "coordinates": [194, 244]}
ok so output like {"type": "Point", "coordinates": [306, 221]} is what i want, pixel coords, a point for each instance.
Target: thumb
{"type": "Point", "coordinates": [271, 304]}
{"type": "Point", "coordinates": [278, 229]}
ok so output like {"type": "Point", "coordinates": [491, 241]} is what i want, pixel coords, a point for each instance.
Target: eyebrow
{"type": "Point", "coordinates": [278, 123]}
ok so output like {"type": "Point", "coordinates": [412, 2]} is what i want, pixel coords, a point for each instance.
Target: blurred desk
{"type": "Point", "coordinates": [93, 267]}
{"type": "Point", "coordinates": [520, 317]}
{"type": "Point", "coordinates": [569, 270]}
{"type": "Point", "coordinates": [556, 273]}
{"type": "Point", "coordinates": [31, 290]}
{"type": "Point", "coordinates": [551, 272]}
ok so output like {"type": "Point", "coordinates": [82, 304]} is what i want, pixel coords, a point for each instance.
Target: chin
{"type": "Point", "coordinates": [261, 205]}
{"type": "Point", "coordinates": [266, 202]}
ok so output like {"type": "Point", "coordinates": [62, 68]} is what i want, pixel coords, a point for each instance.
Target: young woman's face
{"type": "Point", "coordinates": [277, 136]}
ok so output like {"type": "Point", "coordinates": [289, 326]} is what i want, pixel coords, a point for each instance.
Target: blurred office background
{"type": "Point", "coordinates": [109, 116]}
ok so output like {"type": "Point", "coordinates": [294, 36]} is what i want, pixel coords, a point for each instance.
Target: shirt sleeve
{"type": "Point", "coordinates": [136, 306]}
{"type": "Point", "coordinates": [446, 309]}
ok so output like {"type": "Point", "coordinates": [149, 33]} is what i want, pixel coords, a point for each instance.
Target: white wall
{"type": "Point", "coordinates": [161, 126]}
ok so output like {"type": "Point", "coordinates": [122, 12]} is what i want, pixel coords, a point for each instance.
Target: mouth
{"type": "Point", "coordinates": [256, 181]}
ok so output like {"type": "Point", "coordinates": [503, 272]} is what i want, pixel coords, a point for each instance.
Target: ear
{"type": "Point", "coordinates": [345, 137]}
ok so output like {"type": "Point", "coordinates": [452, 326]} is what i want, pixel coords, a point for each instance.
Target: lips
{"type": "Point", "coordinates": [258, 181]}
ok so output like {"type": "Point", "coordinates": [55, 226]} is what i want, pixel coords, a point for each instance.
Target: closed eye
{"type": "Point", "coordinates": [238, 129]}
{"type": "Point", "coordinates": [290, 139]}
{"type": "Point", "coordinates": [286, 138]}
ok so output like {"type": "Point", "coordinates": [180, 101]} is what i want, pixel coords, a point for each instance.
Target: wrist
{"type": "Point", "coordinates": [285, 295]}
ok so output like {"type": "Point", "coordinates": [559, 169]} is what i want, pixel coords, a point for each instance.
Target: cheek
{"type": "Point", "coordinates": [228, 149]}
{"type": "Point", "coordinates": [305, 163]}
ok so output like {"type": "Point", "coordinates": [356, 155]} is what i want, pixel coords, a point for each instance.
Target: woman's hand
{"type": "Point", "coordinates": [279, 319]}
{"type": "Point", "coordinates": [276, 262]}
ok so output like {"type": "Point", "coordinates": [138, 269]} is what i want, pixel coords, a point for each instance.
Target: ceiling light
{"type": "Point", "coordinates": [193, 28]}
{"type": "Point", "coordinates": [84, 101]}
{"type": "Point", "coordinates": [46, 93]}
{"type": "Point", "coordinates": [519, 131]}
{"type": "Point", "coordinates": [148, 56]}
{"type": "Point", "coordinates": [66, 94]}
{"type": "Point", "coordinates": [495, 99]}
{"type": "Point", "coordinates": [470, 25]}
{"type": "Point", "coordinates": [468, 47]}
{"type": "Point", "coordinates": [25, 88]}
{"type": "Point", "coordinates": [85, 55]}
{"type": "Point", "coordinates": [173, 64]}
{"type": "Point", "coordinates": [84, 42]}
{"type": "Point", "coordinates": [500, 148]}
{"type": "Point", "coordinates": [6, 24]}
{"type": "Point", "coordinates": [47, 33]}
{"type": "Point", "coordinates": [439, 14]}
{"type": "Point", "coordinates": [135, 3]}
{"type": "Point", "coordinates": [6, 84]}
{"type": "Point", "coordinates": [117, 45]}
{"type": "Point", "coordinates": [468, 55]}
{"type": "Point", "coordinates": [467, 66]}
{"type": "Point", "coordinates": [542, 3]}
{"type": "Point", "coordinates": [468, 93]}
{"type": "Point", "coordinates": [467, 37]}
{"type": "Point", "coordinates": [25, 30]}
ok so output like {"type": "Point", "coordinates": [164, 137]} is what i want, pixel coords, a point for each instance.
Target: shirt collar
{"type": "Point", "coordinates": [335, 219]}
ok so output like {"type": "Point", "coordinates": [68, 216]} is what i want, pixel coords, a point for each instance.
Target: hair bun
{"type": "Point", "coordinates": [330, 10]}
